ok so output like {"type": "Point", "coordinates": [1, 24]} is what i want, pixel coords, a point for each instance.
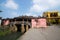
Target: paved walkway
{"type": "Point", "coordinates": [49, 33]}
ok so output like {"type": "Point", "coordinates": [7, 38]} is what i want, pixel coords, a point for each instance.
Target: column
{"type": "Point", "coordinates": [27, 26]}
{"type": "Point", "coordinates": [15, 28]}
{"type": "Point", "coordinates": [22, 27]}
{"type": "Point", "coordinates": [49, 17]}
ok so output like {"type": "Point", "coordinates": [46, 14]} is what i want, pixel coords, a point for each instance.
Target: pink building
{"type": "Point", "coordinates": [6, 22]}
{"type": "Point", "coordinates": [39, 22]}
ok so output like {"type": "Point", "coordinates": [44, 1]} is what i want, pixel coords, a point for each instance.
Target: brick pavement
{"type": "Point", "coordinates": [49, 33]}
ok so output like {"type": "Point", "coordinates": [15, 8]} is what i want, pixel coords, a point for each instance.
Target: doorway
{"type": "Point", "coordinates": [18, 27]}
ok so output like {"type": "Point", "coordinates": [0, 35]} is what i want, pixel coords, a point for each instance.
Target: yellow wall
{"type": "Point", "coordinates": [50, 20]}
{"type": "Point", "coordinates": [59, 14]}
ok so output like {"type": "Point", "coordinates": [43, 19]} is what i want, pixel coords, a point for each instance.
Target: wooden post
{"type": "Point", "coordinates": [22, 27]}
{"type": "Point", "coordinates": [27, 26]}
{"type": "Point", "coordinates": [15, 28]}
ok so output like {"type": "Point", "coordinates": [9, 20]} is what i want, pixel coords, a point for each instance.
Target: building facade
{"type": "Point", "coordinates": [52, 17]}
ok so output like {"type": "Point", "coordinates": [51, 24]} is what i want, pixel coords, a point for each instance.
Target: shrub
{"type": "Point", "coordinates": [4, 31]}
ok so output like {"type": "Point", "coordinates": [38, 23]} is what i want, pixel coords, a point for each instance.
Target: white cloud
{"type": "Point", "coordinates": [43, 5]}
{"type": "Point", "coordinates": [14, 14]}
{"type": "Point", "coordinates": [30, 14]}
{"type": "Point", "coordinates": [27, 14]}
{"type": "Point", "coordinates": [54, 2]}
{"type": "Point", "coordinates": [38, 8]}
{"type": "Point", "coordinates": [11, 4]}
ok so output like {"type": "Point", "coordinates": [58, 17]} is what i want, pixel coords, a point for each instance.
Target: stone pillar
{"type": "Point", "coordinates": [27, 26]}
{"type": "Point", "coordinates": [22, 27]}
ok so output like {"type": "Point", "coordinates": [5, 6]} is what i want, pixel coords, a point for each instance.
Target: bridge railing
{"type": "Point", "coordinates": [21, 22]}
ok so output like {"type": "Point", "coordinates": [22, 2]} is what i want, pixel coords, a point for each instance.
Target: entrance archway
{"type": "Point", "coordinates": [18, 27]}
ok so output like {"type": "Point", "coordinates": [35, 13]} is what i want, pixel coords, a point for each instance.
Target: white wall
{"type": "Point", "coordinates": [0, 22]}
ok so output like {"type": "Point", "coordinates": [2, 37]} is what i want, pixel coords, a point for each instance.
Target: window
{"type": "Point", "coordinates": [46, 15]}
{"type": "Point", "coordinates": [53, 15]}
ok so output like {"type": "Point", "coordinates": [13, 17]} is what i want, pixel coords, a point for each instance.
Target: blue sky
{"type": "Point", "coordinates": [15, 8]}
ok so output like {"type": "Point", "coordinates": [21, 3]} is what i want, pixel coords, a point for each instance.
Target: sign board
{"type": "Point", "coordinates": [37, 23]}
